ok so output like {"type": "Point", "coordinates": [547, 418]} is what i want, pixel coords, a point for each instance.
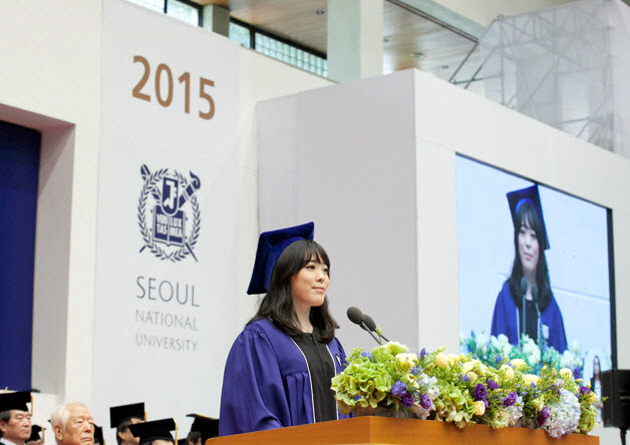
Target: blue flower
{"type": "Point", "coordinates": [399, 389]}
{"type": "Point", "coordinates": [480, 392]}
{"type": "Point", "coordinates": [367, 355]}
{"type": "Point", "coordinates": [492, 385]}
{"type": "Point", "coordinates": [577, 374]}
{"type": "Point", "coordinates": [543, 416]}
{"type": "Point", "coordinates": [498, 359]}
{"type": "Point", "coordinates": [510, 399]}
{"type": "Point", "coordinates": [464, 377]}
{"type": "Point", "coordinates": [407, 400]}
{"type": "Point", "coordinates": [422, 354]}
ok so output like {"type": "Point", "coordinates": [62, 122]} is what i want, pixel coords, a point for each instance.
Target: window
{"type": "Point", "coordinates": [246, 35]}
{"type": "Point", "coordinates": [183, 11]}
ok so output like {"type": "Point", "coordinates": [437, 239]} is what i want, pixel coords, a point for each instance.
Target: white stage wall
{"type": "Point", "coordinates": [168, 189]}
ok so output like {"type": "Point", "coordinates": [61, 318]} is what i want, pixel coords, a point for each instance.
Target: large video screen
{"type": "Point", "coordinates": [525, 245]}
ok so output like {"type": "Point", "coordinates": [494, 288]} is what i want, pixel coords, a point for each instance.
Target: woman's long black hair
{"type": "Point", "coordinates": [529, 217]}
{"type": "Point", "coordinates": [277, 305]}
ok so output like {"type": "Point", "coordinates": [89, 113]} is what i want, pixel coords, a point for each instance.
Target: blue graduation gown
{"type": "Point", "coordinates": [266, 383]}
{"type": "Point", "coordinates": [505, 320]}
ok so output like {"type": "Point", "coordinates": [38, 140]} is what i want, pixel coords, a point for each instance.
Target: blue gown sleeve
{"type": "Point", "coordinates": [504, 316]}
{"type": "Point", "coordinates": [253, 396]}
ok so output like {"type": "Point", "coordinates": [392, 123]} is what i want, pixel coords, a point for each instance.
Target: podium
{"type": "Point", "coordinates": [390, 431]}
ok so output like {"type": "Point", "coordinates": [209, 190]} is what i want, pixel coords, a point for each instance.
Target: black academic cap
{"type": "Point", "coordinates": [35, 430]}
{"type": "Point", "coordinates": [118, 414]}
{"type": "Point", "coordinates": [154, 430]}
{"type": "Point", "coordinates": [198, 422]}
{"type": "Point", "coordinates": [15, 400]}
{"type": "Point", "coordinates": [270, 247]}
{"type": "Point", "coordinates": [98, 435]}
{"type": "Point", "coordinates": [209, 429]}
{"type": "Point", "coordinates": [528, 195]}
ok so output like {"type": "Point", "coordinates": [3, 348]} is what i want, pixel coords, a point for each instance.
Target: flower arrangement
{"type": "Point", "coordinates": [463, 390]}
{"type": "Point", "coordinates": [489, 349]}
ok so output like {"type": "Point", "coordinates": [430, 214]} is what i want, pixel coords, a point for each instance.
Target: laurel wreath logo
{"type": "Point", "coordinates": [151, 187]}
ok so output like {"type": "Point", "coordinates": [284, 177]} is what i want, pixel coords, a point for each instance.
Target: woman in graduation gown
{"type": "Point", "coordinates": [280, 367]}
{"type": "Point", "coordinates": [528, 289]}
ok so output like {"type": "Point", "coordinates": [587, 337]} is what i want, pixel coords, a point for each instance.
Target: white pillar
{"type": "Point", "coordinates": [216, 19]}
{"type": "Point", "coordinates": [355, 39]}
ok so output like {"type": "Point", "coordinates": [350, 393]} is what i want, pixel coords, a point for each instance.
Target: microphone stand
{"type": "Point", "coordinates": [362, 324]}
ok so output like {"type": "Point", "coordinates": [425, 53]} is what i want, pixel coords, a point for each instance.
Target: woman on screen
{"type": "Point", "coordinates": [525, 303]}
{"type": "Point", "coordinates": [279, 370]}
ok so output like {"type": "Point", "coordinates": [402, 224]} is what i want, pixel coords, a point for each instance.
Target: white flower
{"type": "Point", "coordinates": [565, 415]}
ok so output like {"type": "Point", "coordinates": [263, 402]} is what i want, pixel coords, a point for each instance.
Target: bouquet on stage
{"type": "Point", "coordinates": [462, 390]}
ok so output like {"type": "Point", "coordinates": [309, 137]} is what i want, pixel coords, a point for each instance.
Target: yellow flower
{"type": "Point", "coordinates": [407, 360]}
{"type": "Point", "coordinates": [472, 376]}
{"type": "Point", "coordinates": [517, 362]}
{"type": "Point", "coordinates": [509, 372]}
{"type": "Point", "coordinates": [483, 368]}
{"type": "Point", "coordinates": [480, 407]}
{"type": "Point", "coordinates": [441, 360]}
{"type": "Point", "coordinates": [566, 373]}
{"type": "Point", "coordinates": [468, 366]}
{"type": "Point", "coordinates": [528, 379]}
{"type": "Point", "coordinates": [453, 358]}
{"type": "Point", "coordinates": [538, 403]}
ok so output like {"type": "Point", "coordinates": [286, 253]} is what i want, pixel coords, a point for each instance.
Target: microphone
{"type": "Point", "coordinates": [371, 325]}
{"type": "Point", "coordinates": [356, 316]}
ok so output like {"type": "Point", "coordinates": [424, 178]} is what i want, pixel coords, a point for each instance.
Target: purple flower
{"type": "Point", "coordinates": [577, 374]}
{"type": "Point", "coordinates": [492, 385]}
{"type": "Point", "coordinates": [480, 392]}
{"type": "Point", "coordinates": [464, 377]}
{"type": "Point", "coordinates": [543, 416]}
{"type": "Point", "coordinates": [367, 355]}
{"type": "Point", "coordinates": [415, 370]}
{"type": "Point", "coordinates": [407, 400]}
{"type": "Point", "coordinates": [399, 389]}
{"type": "Point", "coordinates": [510, 399]}
{"type": "Point", "coordinates": [584, 390]}
{"type": "Point", "coordinates": [422, 354]}
{"type": "Point", "coordinates": [425, 401]}
{"type": "Point", "coordinates": [498, 359]}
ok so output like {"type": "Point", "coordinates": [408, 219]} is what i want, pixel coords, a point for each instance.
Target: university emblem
{"type": "Point", "coordinates": [172, 229]}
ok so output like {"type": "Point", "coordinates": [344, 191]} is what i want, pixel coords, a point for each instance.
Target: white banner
{"type": "Point", "coordinates": [168, 178]}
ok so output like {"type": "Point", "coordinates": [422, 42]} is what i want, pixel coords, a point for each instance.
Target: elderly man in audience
{"type": "Point", "coordinates": [15, 419]}
{"type": "Point", "coordinates": [72, 424]}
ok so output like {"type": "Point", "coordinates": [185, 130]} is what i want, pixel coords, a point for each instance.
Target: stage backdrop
{"type": "Point", "coordinates": [165, 274]}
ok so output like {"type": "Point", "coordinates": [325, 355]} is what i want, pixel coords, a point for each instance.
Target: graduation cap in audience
{"type": "Point", "coordinates": [209, 430]}
{"type": "Point", "coordinates": [98, 435]}
{"type": "Point", "coordinates": [15, 400]}
{"type": "Point", "coordinates": [35, 436]}
{"type": "Point", "coordinates": [523, 197]}
{"type": "Point", "coordinates": [270, 247]}
{"type": "Point", "coordinates": [119, 414]}
{"type": "Point", "coordinates": [154, 430]}
{"type": "Point", "coordinates": [203, 424]}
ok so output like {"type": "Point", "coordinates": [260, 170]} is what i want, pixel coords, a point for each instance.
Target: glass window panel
{"type": "Point", "coordinates": [240, 34]}
{"type": "Point", "coordinates": [183, 12]}
{"type": "Point", "coordinates": [155, 5]}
